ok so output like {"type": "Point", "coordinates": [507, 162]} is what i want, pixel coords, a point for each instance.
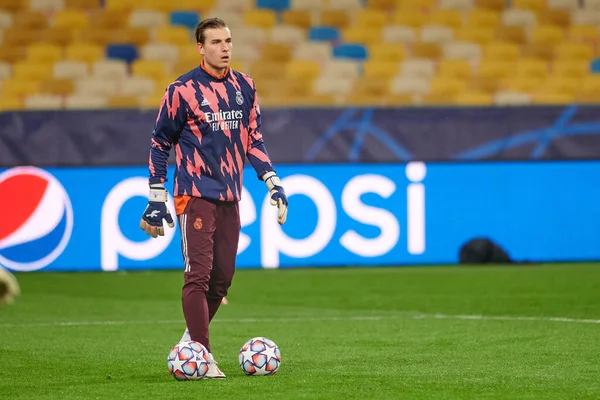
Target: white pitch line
{"type": "Point", "coordinates": [412, 315]}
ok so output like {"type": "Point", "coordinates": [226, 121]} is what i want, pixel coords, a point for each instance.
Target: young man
{"type": "Point", "coordinates": [212, 117]}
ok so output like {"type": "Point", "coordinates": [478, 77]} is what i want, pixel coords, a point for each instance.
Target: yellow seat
{"type": "Point", "coordinates": [123, 102]}
{"type": "Point", "coordinates": [61, 87]}
{"type": "Point", "coordinates": [70, 19]}
{"type": "Point", "coordinates": [12, 54]}
{"type": "Point", "coordinates": [177, 35]}
{"type": "Point", "coordinates": [482, 18]}
{"type": "Point", "coordinates": [361, 35]}
{"type": "Point", "coordinates": [152, 69]}
{"type": "Point", "coordinates": [525, 84]}
{"type": "Point", "coordinates": [380, 69]}
{"type": "Point", "coordinates": [122, 5]}
{"type": "Point", "coordinates": [570, 68]}
{"type": "Point", "coordinates": [133, 36]}
{"type": "Point", "coordinates": [473, 98]}
{"type": "Point", "coordinates": [86, 52]}
{"type": "Point", "coordinates": [540, 51]}
{"type": "Point", "coordinates": [13, 6]}
{"type": "Point", "coordinates": [336, 18]}
{"type": "Point", "coordinates": [385, 5]}
{"type": "Point", "coordinates": [41, 52]}
{"type": "Point", "coordinates": [265, 70]}
{"type": "Point", "coordinates": [547, 34]}
{"type": "Point", "coordinates": [583, 32]}
{"type": "Point", "coordinates": [18, 87]}
{"type": "Point", "coordinates": [372, 87]}
{"type": "Point", "coordinates": [563, 84]}
{"type": "Point", "coordinates": [261, 18]}
{"type": "Point", "coordinates": [495, 68]}
{"type": "Point", "coordinates": [531, 67]}
{"type": "Point", "coordinates": [297, 69]}
{"type": "Point", "coordinates": [277, 52]}
{"type": "Point", "coordinates": [513, 34]}
{"type": "Point", "coordinates": [426, 50]}
{"type": "Point", "coordinates": [502, 51]}
{"type": "Point", "coordinates": [299, 18]}
{"type": "Point", "coordinates": [25, 70]}
{"type": "Point", "coordinates": [192, 5]}
{"type": "Point", "coordinates": [451, 18]}
{"type": "Point", "coordinates": [11, 103]}
{"type": "Point", "coordinates": [496, 5]}
{"type": "Point", "coordinates": [484, 84]}
{"type": "Point", "coordinates": [370, 19]}
{"type": "Point", "coordinates": [413, 20]}
{"type": "Point", "coordinates": [386, 52]}
{"type": "Point", "coordinates": [30, 20]}
{"type": "Point", "coordinates": [560, 18]}
{"type": "Point", "coordinates": [415, 5]}
{"type": "Point", "coordinates": [545, 97]}
{"type": "Point", "coordinates": [399, 99]}
{"type": "Point", "coordinates": [446, 86]}
{"type": "Point", "coordinates": [574, 51]}
{"type": "Point", "coordinates": [59, 36]}
{"type": "Point", "coordinates": [534, 5]}
{"type": "Point", "coordinates": [82, 4]}
{"type": "Point", "coordinates": [108, 19]}
{"type": "Point", "coordinates": [458, 69]}
{"type": "Point", "coordinates": [589, 90]}
{"type": "Point", "coordinates": [20, 36]}
{"type": "Point", "coordinates": [438, 99]}
{"type": "Point", "coordinates": [475, 35]}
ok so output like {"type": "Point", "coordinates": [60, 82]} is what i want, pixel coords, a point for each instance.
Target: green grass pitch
{"type": "Point", "coordinates": [362, 333]}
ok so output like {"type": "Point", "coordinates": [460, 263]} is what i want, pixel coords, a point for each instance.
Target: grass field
{"type": "Point", "coordinates": [363, 333]}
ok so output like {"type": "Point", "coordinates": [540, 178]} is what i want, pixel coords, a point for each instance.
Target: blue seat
{"type": "Point", "coordinates": [125, 52]}
{"type": "Point", "coordinates": [186, 19]}
{"type": "Point", "coordinates": [351, 51]}
{"type": "Point", "coordinates": [276, 5]}
{"type": "Point", "coordinates": [595, 66]}
{"type": "Point", "coordinates": [323, 33]}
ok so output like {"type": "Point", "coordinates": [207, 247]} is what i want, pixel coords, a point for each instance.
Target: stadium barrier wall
{"type": "Point", "coordinates": [80, 219]}
{"type": "Point", "coordinates": [100, 138]}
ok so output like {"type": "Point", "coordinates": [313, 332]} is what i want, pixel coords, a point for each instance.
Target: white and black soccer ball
{"type": "Point", "coordinates": [260, 356]}
{"type": "Point", "coordinates": [188, 360]}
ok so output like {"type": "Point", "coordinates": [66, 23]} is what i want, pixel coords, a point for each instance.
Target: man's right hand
{"type": "Point", "coordinates": [156, 211]}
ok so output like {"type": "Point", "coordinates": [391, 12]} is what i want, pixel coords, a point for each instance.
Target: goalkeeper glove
{"type": "Point", "coordinates": [278, 197]}
{"type": "Point", "coordinates": [9, 287]}
{"type": "Point", "coordinates": [156, 211]}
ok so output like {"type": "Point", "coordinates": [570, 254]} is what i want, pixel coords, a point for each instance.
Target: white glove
{"type": "Point", "coordinates": [278, 197]}
{"type": "Point", "coordinates": [9, 287]}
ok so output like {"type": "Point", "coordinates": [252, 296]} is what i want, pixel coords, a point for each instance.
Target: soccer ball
{"type": "Point", "coordinates": [259, 356]}
{"type": "Point", "coordinates": [188, 360]}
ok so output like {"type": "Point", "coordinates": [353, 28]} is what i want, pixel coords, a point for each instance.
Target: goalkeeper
{"type": "Point", "coordinates": [212, 118]}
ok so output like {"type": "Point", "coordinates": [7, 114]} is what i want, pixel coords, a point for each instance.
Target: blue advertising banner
{"type": "Point", "coordinates": [76, 219]}
{"type": "Point", "coordinates": [326, 135]}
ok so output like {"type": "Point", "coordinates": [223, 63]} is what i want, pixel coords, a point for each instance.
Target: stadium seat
{"type": "Point", "coordinates": [458, 5]}
{"type": "Point", "coordinates": [176, 35]}
{"type": "Point", "coordinates": [510, 98]}
{"type": "Point", "coordinates": [307, 5]}
{"type": "Point", "coordinates": [137, 86]}
{"type": "Point", "coordinates": [417, 68]}
{"type": "Point", "coordinates": [514, 34]}
{"type": "Point", "coordinates": [380, 69]}
{"type": "Point", "coordinates": [481, 36]}
{"type": "Point", "coordinates": [152, 69]}
{"type": "Point", "coordinates": [25, 70]}
{"type": "Point", "coordinates": [123, 102]}
{"type": "Point", "coordinates": [409, 19]}
{"type": "Point", "coordinates": [20, 36]}
{"type": "Point", "coordinates": [436, 34]}
{"type": "Point", "coordinates": [574, 51]}
{"type": "Point", "coordinates": [583, 32]}
{"type": "Point", "coordinates": [248, 36]}
{"type": "Point", "coordinates": [458, 69]}
{"type": "Point", "coordinates": [59, 36]}
{"type": "Point", "coordinates": [132, 36]}
{"type": "Point", "coordinates": [123, 5]}
{"type": "Point", "coordinates": [567, 5]}
{"type": "Point", "coordinates": [502, 51]}
{"type": "Point", "coordinates": [534, 68]}
{"type": "Point", "coordinates": [525, 84]}
{"type": "Point", "coordinates": [333, 85]}
{"type": "Point", "coordinates": [302, 69]}
{"type": "Point", "coordinates": [44, 53]}
{"type": "Point", "coordinates": [335, 18]}
{"type": "Point", "coordinates": [260, 18]}
{"type": "Point", "coordinates": [82, 4]}
{"type": "Point", "coordinates": [159, 51]}
{"type": "Point", "coordinates": [350, 51]}
{"type": "Point", "coordinates": [100, 37]}
{"type": "Point", "coordinates": [186, 19]}
{"type": "Point", "coordinates": [125, 52]}
{"type": "Point", "coordinates": [398, 34]}
{"type": "Point", "coordinates": [462, 51]}
{"type": "Point", "coordinates": [86, 52]}
{"type": "Point", "coordinates": [370, 19]}
{"type": "Point", "coordinates": [12, 54]}
{"type": "Point", "coordinates": [429, 51]}
{"type": "Point", "coordinates": [74, 19]}
{"type": "Point", "coordinates": [70, 70]}
{"type": "Point", "coordinates": [299, 18]}
{"type": "Point", "coordinates": [541, 51]}
{"type": "Point", "coordinates": [384, 5]}
{"type": "Point", "coordinates": [350, 5]}
{"type": "Point", "coordinates": [289, 35]}
{"type": "Point", "coordinates": [43, 102]}
{"type": "Point", "coordinates": [30, 20]}
{"type": "Point", "coordinates": [323, 33]}
{"type": "Point", "coordinates": [551, 98]}
{"type": "Point", "coordinates": [357, 35]}
{"type": "Point", "coordinates": [535, 5]}
{"type": "Point", "coordinates": [473, 98]}
{"type": "Point", "coordinates": [412, 85]}
{"type": "Point", "coordinates": [109, 69]}
{"type": "Point", "coordinates": [516, 17]}
{"type": "Point", "coordinates": [46, 5]}
{"type": "Point", "coordinates": [5, 71]}
{"type": "Point", "coordinates": [386, 52]}
{"type": "Point", "coordinates": [450, 18]}
{"type": "Point", "coordinates": [6, 20]}
{"type": "Point", "coordinates": [570, 68]}
{"type": "Point", "coordinates": [277, 52]}
{"type": "Point", "coordinates": [340, 69]}
{"type": "Point", "coordinates": [560, 18]}
{"type": "Point", "coordinates": [547, 34]}
{"type": "Point", "coordinates": [13, 6]}
{"type": "Point", "coordinates": [594, 66]}
{"type": "Point", "coordinates": [444, 86]}
{"type": "Point", "coordinates": [412, 6]}
{"type": "Point", "coordinates": [316, 51]}
{"type": "Point", "coordinates": [108, 19]}
{"type": "Point", "coordinates": [496, 68]}
{"type": "Point", "coordinates": [369, 87]}
{"type": "Point", "coordinates": [482, 18]}
{"type": "Point", "coordinates": [277, 5]}
{"type": "Point", "coordinates": [15, 87]}
{"type": "Point", "coordinates": [59, 87]}
{"type": "Point", "coordinates": [484, 84]}
{"type": "Point", "coordinates": [97, 87]}
{"type": "Point", "coordinates": [586, 16]}
{"type": "Point", "coordinates": [148, 19]}
{"type": "Point", "coordinates": [85, 102]}
{"type": "Point", "coordinates": [11, 103]}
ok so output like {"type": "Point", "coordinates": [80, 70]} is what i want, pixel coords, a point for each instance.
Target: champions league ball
{"type": "Point", "coordinates": [259, 356]}
{"type": "Point", "coordinates": [188, 360]}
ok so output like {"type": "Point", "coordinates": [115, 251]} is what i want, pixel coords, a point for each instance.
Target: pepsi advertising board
{"type": "Point", "coordinates": [82, 219]}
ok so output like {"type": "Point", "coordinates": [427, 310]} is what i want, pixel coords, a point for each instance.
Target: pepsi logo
{"type": "Point", "coordinates": [37, 218]}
